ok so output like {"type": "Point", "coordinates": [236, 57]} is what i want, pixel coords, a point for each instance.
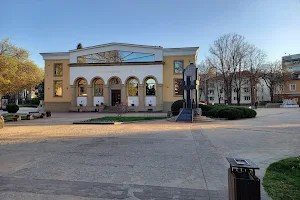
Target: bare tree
{"type": "Point", "coordinates": [255, 63]}
{"type": "Point", "coordinates": [219, 87]}
{"type": "Point", "coordinates": [203, 69]}
{"type": "Point", "coordinates": [227, 54]}
{"type": "Point", "coordinates": [121, 108]}
{"type": "Point", "coordinates": [275, 77]}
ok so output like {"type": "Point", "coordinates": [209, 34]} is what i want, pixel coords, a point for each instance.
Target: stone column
{"type": "Point", "coordinates": [74, 96]}
{"type": "Point", "coordinates": [141, 97]}
{"type": "Point", "coordinates": [159, 96]}
{"type": "Point", "coordinates": [89, 96]}
{"type": "Point", "coordinates": [106, 95]}
{"type": "Point", "coordinates": [123, 94]}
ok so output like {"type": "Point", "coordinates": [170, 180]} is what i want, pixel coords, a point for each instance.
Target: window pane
{"type": "Point", "coordinates": [116, 57]}
{"type": "Point", "coordinates": [178, 66]}
{"type": "Point", "coordinates": [115, 81]}
{"type": "Point", "coordinates": [133, 87]}
{"type": "Point", "coordinates": [178, 90]}
{"type": "Point", "coordinates": [150, 87]}
{"type": "Point", "coordinates": [58, 88]}
{"type": "Point", "coordinates": [58, 69]}
{"type": "Point", "coordinates": [82, 88]}
{"type": "Point", "coordinates": [98, 87]}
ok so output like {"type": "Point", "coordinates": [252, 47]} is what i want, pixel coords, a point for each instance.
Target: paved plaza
{"type": "Point", "coordinates": [54, 159]}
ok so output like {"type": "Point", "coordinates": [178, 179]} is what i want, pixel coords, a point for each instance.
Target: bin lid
{"type": "Point", "coordinates": [242, 163]}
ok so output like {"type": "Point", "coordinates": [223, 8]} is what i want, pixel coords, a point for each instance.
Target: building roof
{"type": "Point", "coordinates": [165, 51]}
{"type": "Point", "coordinates": [119, 44]}
{"type": "Point", "coordinates": [291, 57]}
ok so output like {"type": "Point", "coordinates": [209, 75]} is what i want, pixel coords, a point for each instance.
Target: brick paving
{"type": "Point", "coordinates": [53, 159]}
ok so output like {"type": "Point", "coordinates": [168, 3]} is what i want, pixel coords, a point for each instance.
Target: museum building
{"type": "Point", "coordinates": [143, 77]}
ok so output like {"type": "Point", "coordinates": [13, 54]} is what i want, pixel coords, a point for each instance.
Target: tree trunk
{"type": "Point", "coordinates": [272, 94]}
{"type": "Point", "coordinates": [238, 97]}
{"type": "Point", "coordinates": [206, 90]}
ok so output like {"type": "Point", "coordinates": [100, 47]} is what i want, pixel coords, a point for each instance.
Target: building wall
{"type": "Point", "coordinates": [49, 85]}
{"type": "Point", "coordinates": [123, 72]}
{"type": "Point", "coordinates": [292, 64]}
{"type": "Point", "coordinates": [262, 94]}
{"type": "Point", "coordinates": [169, 75]}
{"type": "Point", "coordinates": [163, 73]}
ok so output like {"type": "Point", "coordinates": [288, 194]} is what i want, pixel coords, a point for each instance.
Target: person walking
{"type": "Point", "coordinates": [255, 104]}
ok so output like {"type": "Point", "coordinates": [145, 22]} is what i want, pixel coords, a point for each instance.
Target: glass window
{"type": "Point", "coordinates": [116, 57]}
{"type": "Point", "coordinates": [178, 66]}
{"type": "Point", "coordinates": [58, 87]}
{"type": "Point", "coordinates": [211, 98]}
{"type": "Point", "coordinates": [246, 90]}
{"type": "Point", "coordinates": [98, 87]}
{"type": "Point", "coordinates": [292, 87]}
{"type": "Point", "coordinates": [178, 83]}
{"type": "Point", "coordinates": [247, 98]}
{"type": "Point", "coordinates": [58, 69]}
{"type": "Point", "coordinates": [133, 87]}
{"type": "Point", "coordinates": [82, 87]}
{"type": "Point", "coordinates": [234, 98]}
{"type": "Point", "coordinates": [211, 92]}
{"type": "Point", "coordinates": [115, 81]}
{"type": "Point", "coordinates": [150, 87]}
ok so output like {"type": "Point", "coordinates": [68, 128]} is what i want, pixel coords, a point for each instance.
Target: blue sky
{"type": "Point", "coordinates": [59, 25]}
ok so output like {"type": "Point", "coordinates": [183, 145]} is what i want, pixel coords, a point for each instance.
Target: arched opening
{"type": "Point", "coordinates": [150, 90]}
{"type": "Point", "coordinates": [98, 85]}
{"type": "Point", "coordinates": [81, 92]}
{"type": "Point", "coordinates": [115, 86]}
{"type": "Point", "coordinates": [133, 92]}
{"type": "Point", "coordinates": [115, 81]}
{"type": "Point", "coordinates": [81, 87]}
{"type": "Point", "coordinates": [150, 87]}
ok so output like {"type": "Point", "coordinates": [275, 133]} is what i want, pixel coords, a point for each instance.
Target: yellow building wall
{"type": "Point", "coordinates": [49, 81]}
{"type": "Point", "coordinates": [169, 75]}
{"type": "Point", "coordinates": [287, 86]}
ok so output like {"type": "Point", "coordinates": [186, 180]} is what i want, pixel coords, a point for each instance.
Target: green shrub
{"type": "Point", "coordinates": [230, 113]}
{"type": "Point", "coordinates": [35, 101]}
{"type": "Point", "coordinates": [214, 111]}
{"type": "Point", "coordinates": [12, 108]}
{"type": "Point", "coordinates": [247, 112]}
{"type": "Point", "coordinates": [176, 106]}
{"type": "Point", "coordinates": [206, 107]}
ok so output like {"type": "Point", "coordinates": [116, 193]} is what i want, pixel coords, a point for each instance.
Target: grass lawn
{"type": "Point", "coordinates": [125, 119]}
{"type": "Point", "coordinates": [8, 117]}
{"type": "Point", "coordinates": [282, 179]}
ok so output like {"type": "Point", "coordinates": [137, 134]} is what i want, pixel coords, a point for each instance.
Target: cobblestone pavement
{"type": "Point", "coordinates": [53, 159]}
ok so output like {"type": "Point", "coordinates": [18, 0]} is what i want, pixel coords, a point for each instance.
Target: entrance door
{"type": "Point", "coordinates": [115, 97]}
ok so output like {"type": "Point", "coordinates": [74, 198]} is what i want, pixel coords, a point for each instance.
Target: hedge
{"type": "Point", "coordinates": [218, 111]}
{"type": "Point", "coordinates": [12, 108]}
{"type": "Point", "coordinates": [176, 106]}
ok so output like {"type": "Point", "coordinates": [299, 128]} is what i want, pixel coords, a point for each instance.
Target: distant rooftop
{"type": "Point", "coordinates": [294, 57]}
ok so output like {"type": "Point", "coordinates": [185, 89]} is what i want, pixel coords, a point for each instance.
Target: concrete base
{"type": "Point", "coordinates": [289, 106]}
{"type": "Point", "coordinates": [86, 108]}
{"type": "Point", "coordinates": [1, 122]}
{"type": "Point", "coordinates": [58, 106]}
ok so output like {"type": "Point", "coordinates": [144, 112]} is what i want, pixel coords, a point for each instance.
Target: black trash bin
{"type": "Point", "coordinates": [242, 182]}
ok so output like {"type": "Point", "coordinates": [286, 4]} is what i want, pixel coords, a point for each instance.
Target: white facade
{"type": "Point", "coordinates": [214, 92]}
{"type": "Point", "coordinates": [121, 71]}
